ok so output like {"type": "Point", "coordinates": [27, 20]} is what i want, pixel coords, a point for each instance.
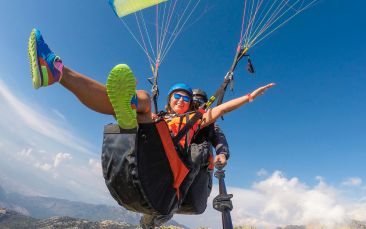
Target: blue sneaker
{"type": "Point", "coordinates": [121, 90]}
{"type": "Point", "coordinates": [46, 67]}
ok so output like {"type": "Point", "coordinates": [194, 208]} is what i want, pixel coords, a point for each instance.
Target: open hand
{"type": "Point", "coordinates": [261, 90]}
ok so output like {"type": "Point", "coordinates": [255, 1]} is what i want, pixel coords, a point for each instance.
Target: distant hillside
{"type": "Point", "coordinates": [12, 219]}
{"type": "Point", "coordinates": [45, 207]}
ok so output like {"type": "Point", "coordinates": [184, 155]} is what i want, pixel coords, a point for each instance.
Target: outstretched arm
{"type": "Point", "coordinates": [213, 114]}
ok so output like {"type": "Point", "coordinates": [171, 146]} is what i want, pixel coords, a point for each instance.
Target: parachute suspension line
{"type": "Point", "coordinates": [163, 22]}
{"type": "Point", "coordinates": [157, 33]}
{"type": "Point", "coordinates": [181, 27]}
{"type": "Point", "coordinates": [151, 61]}
{"type": "Point", "coordinates": [147, 36]}
{"type": "Point", "coordinates": [259, 27]}
{"type": "Point", "coordinates": [257, 7]}
{"type": "Point", "coordinates": [155, 88]}
{"type": "Point", "coordinates": [262, 18]}
{"type": "Point", "coordinates": [284, 22]}
{"type": "Point", "coordinates": [163, 30]}
{"type": "Point", "coordinates": [174, 33]}
{"type": "Point", "coordinates": [172, 8]}
{"type": "Point", "coordinates": [159, 46]}
{"type": "Point", "coordinates": [251, 19]}
{"type": "Point", "coordinates": [249, 23]}
{"type": "Point", "coordinates": [155, 85]}
{"type": "Point", "coordinates": [137, 41]}
{"type": "Point", "coordinates": [243, 23]}
{"type": "Point", "coordinates": [241, 50]}
{"type": "Point", "coordinates": [273, 18]}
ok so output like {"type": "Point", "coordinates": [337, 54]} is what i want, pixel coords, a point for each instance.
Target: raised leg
{"type": "Point", "coordinates": [90, 92]}
{"type": "Point", "coordinates": [47, 69]}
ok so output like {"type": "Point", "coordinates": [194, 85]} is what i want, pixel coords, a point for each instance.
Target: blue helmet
{"type": "Point", "coordinates": [180, 87]}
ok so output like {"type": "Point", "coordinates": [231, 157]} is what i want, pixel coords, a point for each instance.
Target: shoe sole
{"type": "Point", "coordinates": [121, 87]}
{"type": "Point", "coordinates": [33, 59]}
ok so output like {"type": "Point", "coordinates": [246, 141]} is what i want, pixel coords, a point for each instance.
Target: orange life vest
{"type": "Point", "coordinates": [176, 123]}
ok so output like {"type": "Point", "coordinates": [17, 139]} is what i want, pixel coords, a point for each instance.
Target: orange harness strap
{"type": "Point", "coordinates": [178, 168]}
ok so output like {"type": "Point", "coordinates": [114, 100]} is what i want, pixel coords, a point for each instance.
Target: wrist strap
{"type": "Point", "coordinates": [250, 98]}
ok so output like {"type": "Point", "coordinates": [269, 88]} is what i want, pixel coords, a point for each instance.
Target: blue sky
{"type": "Point", "coordinates": [305, 134]}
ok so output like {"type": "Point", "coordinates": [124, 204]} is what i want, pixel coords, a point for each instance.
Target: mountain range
{"type": "Point", "coordinates": [34, 209]}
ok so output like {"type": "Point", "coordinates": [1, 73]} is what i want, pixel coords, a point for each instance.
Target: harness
{"type": "Point", "coordinates": [183, 127]}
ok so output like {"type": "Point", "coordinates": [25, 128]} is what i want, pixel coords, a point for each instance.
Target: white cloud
{"type": "Point", "coordinates": [352, 181]}
{"type": "Point", "coordinates": [278, 201]}
{"type": "Point", "coordinates": [320, 179]}
{"type": "Point", "coordinates": [35, 158]}
{"type": "Point", "coordinates": [29, 119]}
{"type": "Point", "coordinates": [60, 174]}
{"type": "Point", "coordinates": [42, 159]}
{"type": "Point", "coordinates": [47, 162]}
{"type": "Point", "coordinates": [42, 155]}
{"type": "Point", "coordinates": [43, 166]}
{"type": "Point", "coordinates": [262, 172]}
{"type": "Point", "coordinates": [60, 157]}
{"type": "Point", "coordinates": [288, 201]}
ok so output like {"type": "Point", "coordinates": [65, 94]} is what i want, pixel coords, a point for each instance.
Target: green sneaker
{"type": "Point", "coordinates": [121, 90]}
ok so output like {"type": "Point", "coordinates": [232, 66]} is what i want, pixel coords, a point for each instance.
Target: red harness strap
{"type": "Point", "coordinates": [178, 168]}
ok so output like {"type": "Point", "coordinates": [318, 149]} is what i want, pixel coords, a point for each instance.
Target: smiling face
{"type": "Point", "coordinates": [177, 102]}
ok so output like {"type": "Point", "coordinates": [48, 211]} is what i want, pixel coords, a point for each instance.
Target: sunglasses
{"type": "Point", "coordinates": [185, 97]}
{"type": "Point", "coordinates": [199, 101]}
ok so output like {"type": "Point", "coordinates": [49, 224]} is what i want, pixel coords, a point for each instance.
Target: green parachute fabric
{"type": "Point", "coordinates": [125, 7]}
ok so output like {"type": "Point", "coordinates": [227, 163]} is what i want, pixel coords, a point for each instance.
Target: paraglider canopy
{"type": "Point", "coordinates": [125, 7]}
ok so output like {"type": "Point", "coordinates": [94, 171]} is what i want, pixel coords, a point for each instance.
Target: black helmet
{"type": "Point", "coordinates": [200, 92]}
